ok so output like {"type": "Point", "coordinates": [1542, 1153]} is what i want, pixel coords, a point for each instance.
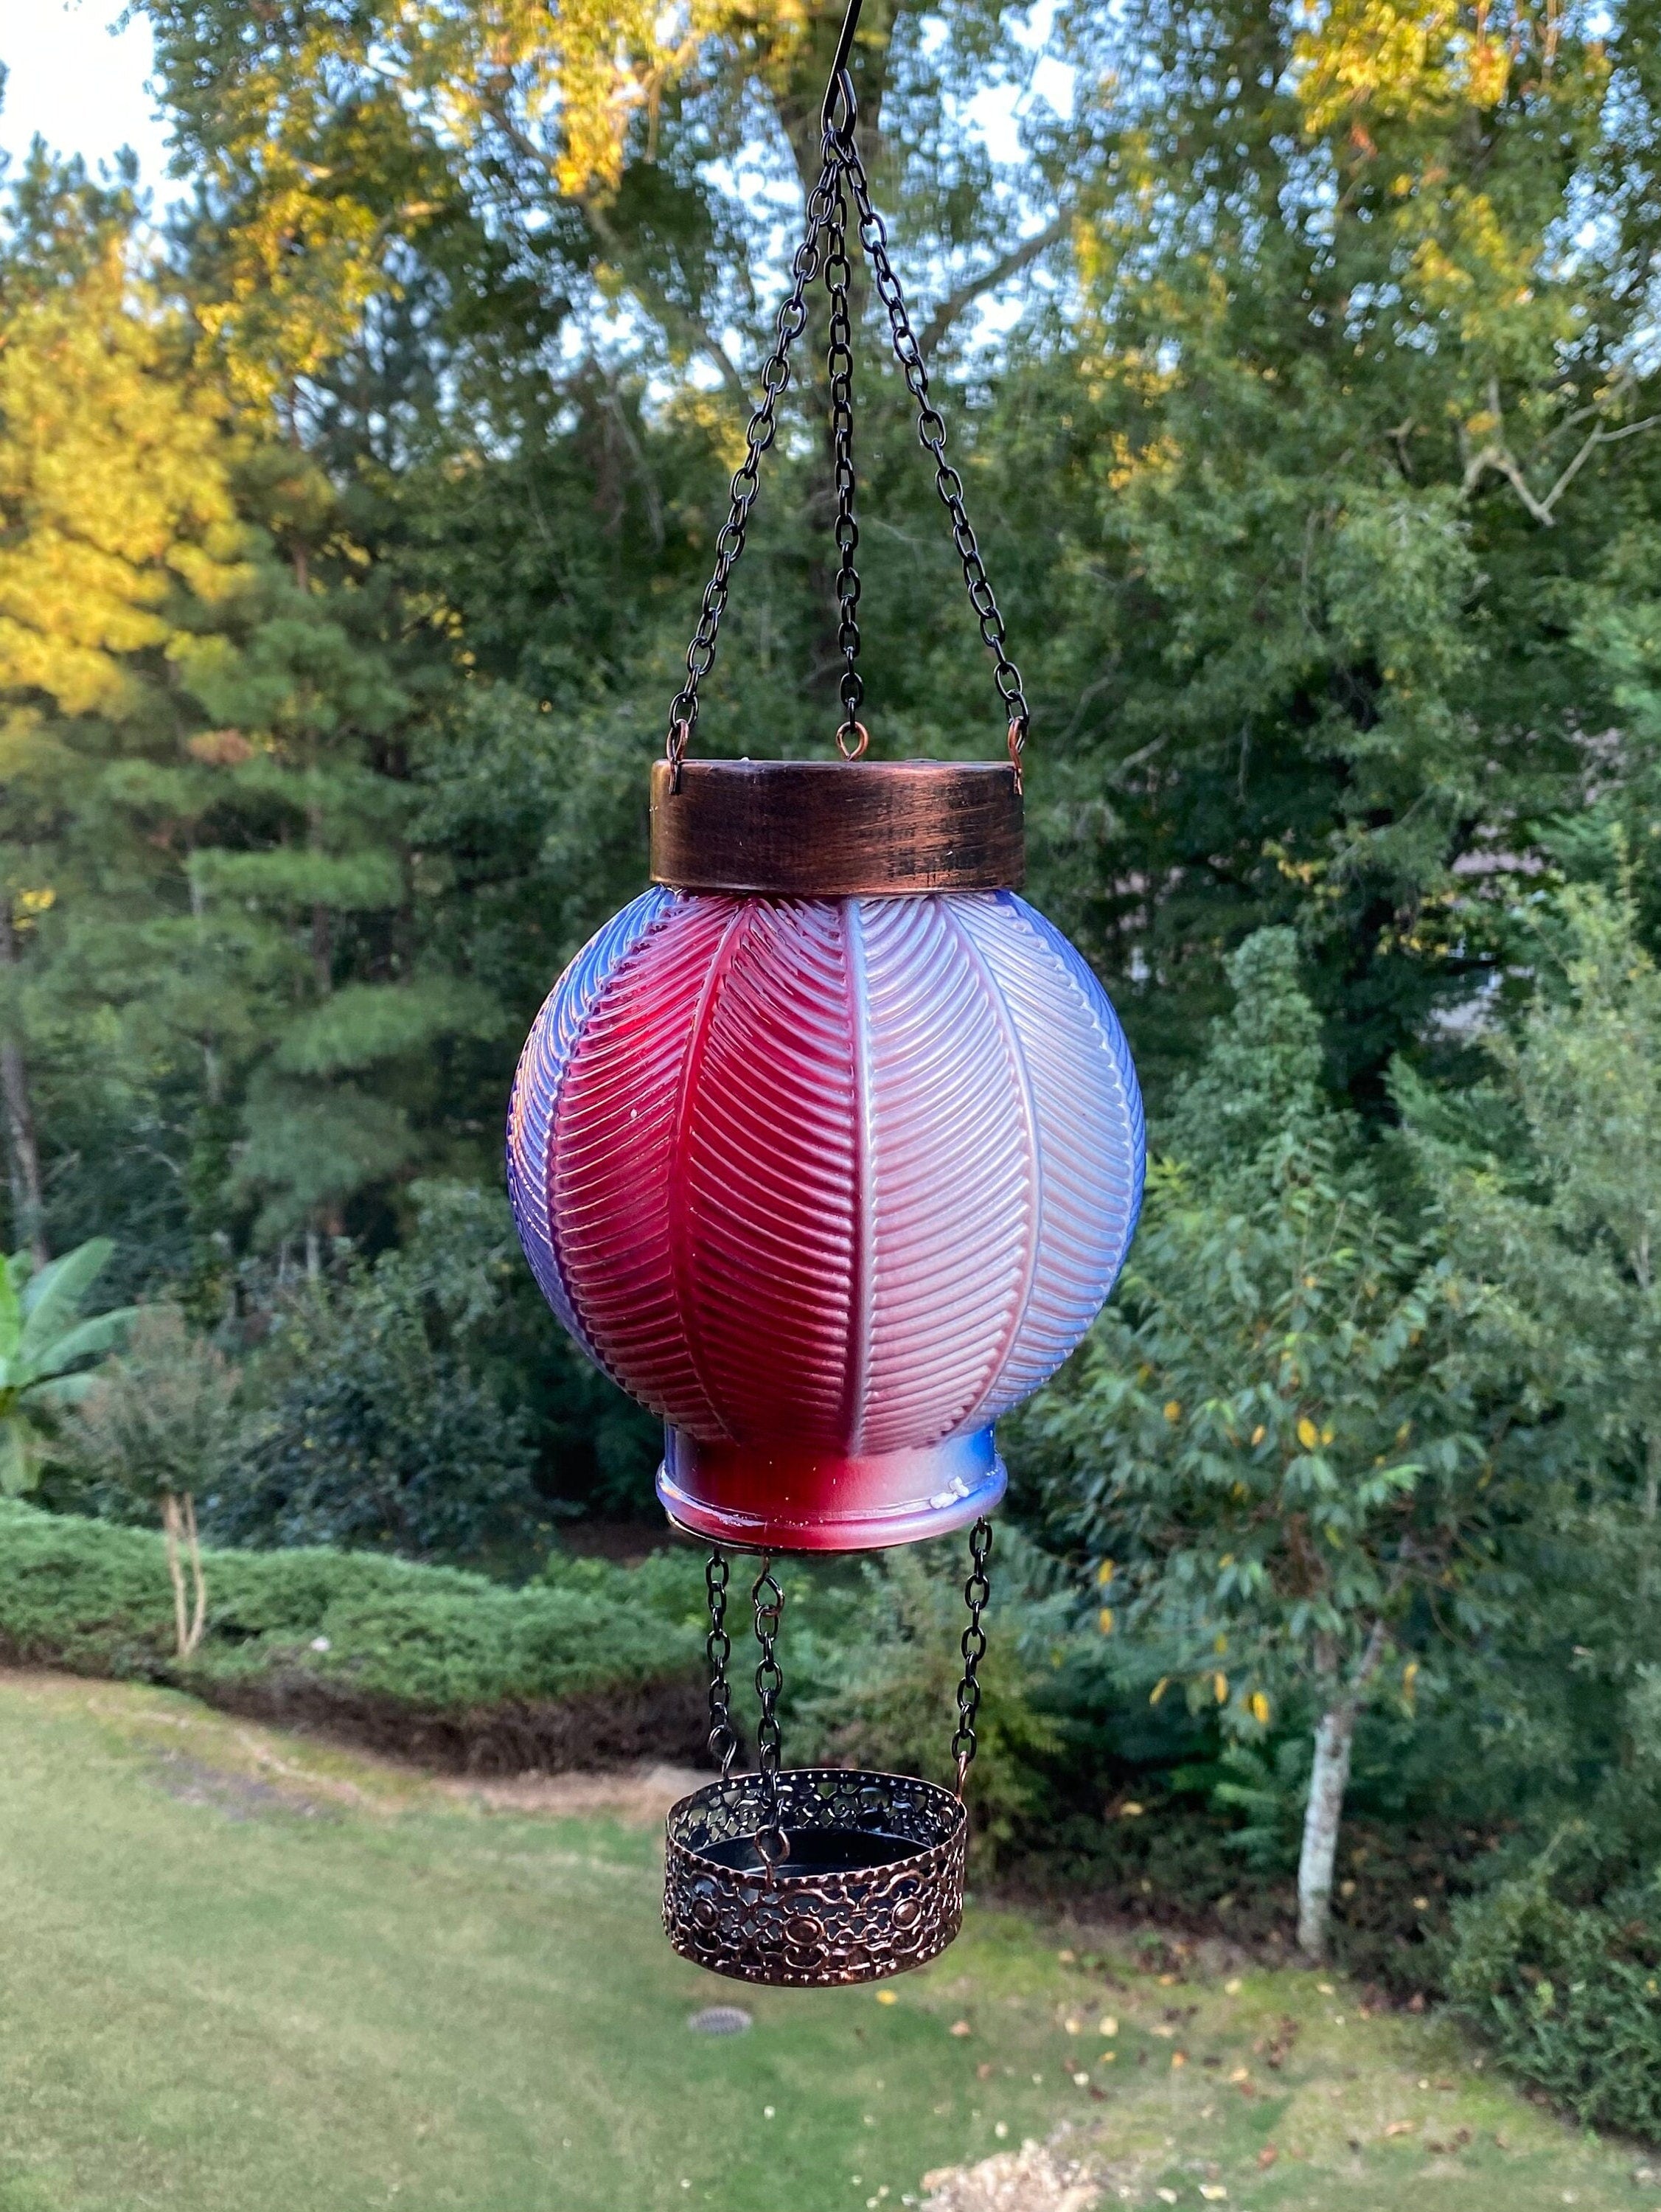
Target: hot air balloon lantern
{"type": "Point", "coordinates": [828, 1149]}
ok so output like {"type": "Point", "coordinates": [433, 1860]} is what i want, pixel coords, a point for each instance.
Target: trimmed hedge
{"type": "Point", "coordinates": [593, 1661]}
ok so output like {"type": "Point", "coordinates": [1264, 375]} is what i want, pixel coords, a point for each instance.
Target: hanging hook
{"type": "Point", "coordinates": [837, 114]}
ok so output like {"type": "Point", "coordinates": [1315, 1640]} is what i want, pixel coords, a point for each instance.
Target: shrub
{"type": "Point", "coordinates": [873, 1668]}
{"type": "Point", "coordinates": [1569, 1994]}
{"type": "Point", "coordinates": [379, 1428]}
{"type": "Point", "coordinates": [159, 1424]}
{"type": "Point", "coordinates": [352, 1635]}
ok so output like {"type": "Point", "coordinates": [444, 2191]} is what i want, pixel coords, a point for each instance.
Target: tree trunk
{"type": "Point", "coordinates": [199, 1581]}
{"type": "Point", "coordinates": [1327, 1785]}
{"type": "Point", "coordinates": [170, 1526]}
{"type": "Point", "coordinates": [22, 1151]}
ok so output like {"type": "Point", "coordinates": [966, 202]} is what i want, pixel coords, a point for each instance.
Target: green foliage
{"type": "Point", "coordinates": [1269, 1455]}
{"type": "Point", "coordinates": [1547, 1187]}
{"type": "Point", "coordinates": [1571, 1998]}
{"type": "Point", "coordinates": [95, 1597]}
{"type": "Point", "coordinates": [160, 1420]}
{"type": "Point", "coordinates": [1266, 1791]}
{"type": "Point", "coordinates": [874, 1680]}
{"type": "Point", "coordinates": [379, 1424]}
{"type": "Point", "coordinates": [43, 1342]}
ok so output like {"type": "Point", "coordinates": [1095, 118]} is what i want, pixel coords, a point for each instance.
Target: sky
{"type": "Point", "coordinates": [78, 83]}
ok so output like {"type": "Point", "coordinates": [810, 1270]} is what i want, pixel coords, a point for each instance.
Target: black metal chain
{"type": "Point", "coordinates": [767, 1601]}
{"type": "Point", "coordinates": [717, 1644]}
{"type": "Point", "coordinates": [729, 545]}
{"type": "Point", "coordinates": [931, 435]}
{"type": "Point", "coordinates": [976, 1592]}
{"type": "Point", "coordinates": [843, 171]}
{"type": "Point", "coordinates": [851, 737]}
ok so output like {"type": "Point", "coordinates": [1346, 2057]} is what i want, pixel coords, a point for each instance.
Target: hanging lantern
{"type": "Point", "coordinates": [828, 1149]}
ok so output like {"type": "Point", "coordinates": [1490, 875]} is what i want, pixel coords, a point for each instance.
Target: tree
{"type": "Point", "coordinates": [43, 1342]}
{"type": "Point", "coordinates": [1548, 1180]}
{"type": "Point", "coordinates": [1273, 1468]}
{"type": "Point", "coordinates": [161, 1423]}
{"type": "Point", "coordinates": [208, 785]}
{"type": "Point", "coordinates": [1355, 469]}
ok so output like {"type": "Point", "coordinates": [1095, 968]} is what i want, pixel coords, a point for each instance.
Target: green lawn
{"type": "Point", "coordinates": [239, 1970]}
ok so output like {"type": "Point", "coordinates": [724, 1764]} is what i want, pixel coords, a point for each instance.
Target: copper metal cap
{"type": "Point", "coordinates": [837, 829]}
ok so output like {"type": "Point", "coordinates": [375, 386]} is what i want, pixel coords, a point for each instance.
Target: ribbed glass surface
{"type": "Point", "coordinates": [859, 1172]}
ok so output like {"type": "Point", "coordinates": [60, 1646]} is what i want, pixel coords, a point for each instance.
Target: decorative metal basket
{"type": "Point", "coordinates": [871, 1883]}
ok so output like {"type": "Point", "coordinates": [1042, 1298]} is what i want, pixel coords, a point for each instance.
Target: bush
{"type": "Point", "coordinates": [872, 1667]}
{"type": "Point", "coordinates": [1569, 1994]}
{"type": "Point", "coordinates": [379, 1425]}
{"type": "Point", "coordinates": [375, 1645]}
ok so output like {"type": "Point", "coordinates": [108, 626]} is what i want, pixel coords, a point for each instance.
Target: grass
{"type": "Point", "coordinates": [243, 1971]}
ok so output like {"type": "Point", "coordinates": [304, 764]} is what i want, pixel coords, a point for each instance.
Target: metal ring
{"type": "Point", "coordinates": [772, 1859]}
{"type": "Point", "coordinates": [858, 751]}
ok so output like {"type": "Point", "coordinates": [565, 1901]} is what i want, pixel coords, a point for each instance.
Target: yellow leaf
{"type": "Point", "coordinates": [1227, 1560]}
{"type": "Point", "coordinates": [1105, 1620]}
{"type": "Point", "coordinates": [1104, 1572]}
{"type": "Point", "coordinates": [1172, 1409]}
{"type": "Point", "coordinates": [1326, 1435]}
{"type": "Point", "coordinates": [1258, 1433]}
{"type": "Point", "coordinates": [1308, 1434]}
{"type": "Point", "coordinates": [1159, 1688]}
{"type": "Point", "coordinates": [1220, 1688]}
{"type": "Point", "coordinates": [1259, 1706]}
{"type": "Point", "coordinates": [1219, 1645]}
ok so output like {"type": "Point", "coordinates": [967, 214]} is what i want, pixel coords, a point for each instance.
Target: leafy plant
{"type": "Point", "coordinates": [882, 1662]}
{"type": "Point", "coordinates": [1271, 1459]}
{"type": "Point", "coordinates": [1267, 1789]}
{"type": "Point", "coordinates": [1570, 1997]}
{"type": "Point", "coordinates": [43, 1344]}
{"type": "Point", "coordinates": [381, 1420]}
{"type": "Point", "coordinates": [160, 1423]}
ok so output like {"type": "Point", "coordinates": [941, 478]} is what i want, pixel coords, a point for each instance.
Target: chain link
{"type": "Point", "coordinates": [767, 1601]}
{"type": "Point", "coordinates": [843, 170]}
{"type": "Point", "coordinates": [717, 1644]}
{"type": "Point", "coordinates": [851, 737]}
{"type": "Point", "coordinates": [759, 436]}
{"type": "Point", "coordinates": [931, 435]}
{"type": "Point", "coordinates": [976, 1592]}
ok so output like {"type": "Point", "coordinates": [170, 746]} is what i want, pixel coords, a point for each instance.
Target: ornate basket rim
{"type": "Point", "coordinates": [817, 1929]}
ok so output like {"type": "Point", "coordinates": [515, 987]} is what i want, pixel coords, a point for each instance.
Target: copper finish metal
{"type": "Point", "coordinates": [830, 830]}
{"type": "Point", "coordinates": [873, 1885]}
